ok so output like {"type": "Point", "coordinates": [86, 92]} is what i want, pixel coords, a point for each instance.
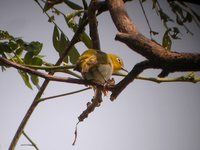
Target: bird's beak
{"type": "Point", "coordinates": [124, 70]}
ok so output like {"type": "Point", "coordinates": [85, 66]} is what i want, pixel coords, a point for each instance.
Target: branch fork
{"type": "Point", "coordinates": [169, 61]}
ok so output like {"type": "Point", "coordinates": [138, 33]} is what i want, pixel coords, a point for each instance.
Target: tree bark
{"type": "Point", "coordinates": [157, 56]}
{"type": "Point", "coordinates": [154, 52]}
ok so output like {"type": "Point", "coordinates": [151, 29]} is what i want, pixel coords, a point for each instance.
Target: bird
{"type": "Point", "coordinates": [98, 66]}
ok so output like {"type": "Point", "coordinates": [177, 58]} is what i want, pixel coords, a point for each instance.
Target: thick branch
{"type": "Point", "coordinates": [120, 17]}
{"type": "Point", "coordinates": [168, 61]}
{"type": "Point", "coordinates": [154, 52]}
{"type": "Point", "coordinates": [137, 69]}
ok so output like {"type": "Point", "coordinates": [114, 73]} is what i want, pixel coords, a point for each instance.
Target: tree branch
{"type": "Point", "coordinates": [187, 78]}
{"type": "Point", "coordinates": [129, 34]}
{"type": "Point", "coordinates": [93, 25]}
{"type": "Point", "coordinates": [49, 77]}
{"type": "Point", "coordinates": [30, 140]}
{"type": "Point", "coordinates": [168, 60]}
{"type": "Point", "coordinates": [60, 95]}
{"type": "Point", "coordinates": [120, 17]}
{"type": "Point", "coordinates": [137, 69]}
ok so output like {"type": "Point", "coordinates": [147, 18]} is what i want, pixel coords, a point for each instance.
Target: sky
{"type": "Point", "coordinates": [146, 115]}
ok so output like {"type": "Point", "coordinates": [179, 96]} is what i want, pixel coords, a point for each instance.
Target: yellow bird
{"type": "Point", "coordinates": [97, 66]}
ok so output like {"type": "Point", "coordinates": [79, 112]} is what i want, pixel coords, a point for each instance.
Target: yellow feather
{"type": "Point", "coordinates": [98, 66]}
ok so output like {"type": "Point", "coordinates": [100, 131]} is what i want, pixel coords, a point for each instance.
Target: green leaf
{"type": "Point", "coordinates": [57, 12]}
{"type": "Point", "coordinates": [166, 41]}
{"type": "Point", "coordinates": [4, 35]}
{"type": "Point", "coordinates": [50, 3]}
{"type": "Point", "coordinates": [71, 23]}
{"type": "Point", "coordinates": [63, 42]}
{"type": "Point", "coordinates": [51, 19]}
{"type": "Point", "coordinates": [188, 17]}
{"type": "Point", "coordinates": [34, 47]}
{"type": "Point", "coordinates": [35, 80]}
{"type": "Point", "coordinates": [164, 16]}
{"type": "Point", "coordinates": [70, 19]}
{"type": "Point", "coordinates": [60, 43]}
{"type": "Point", "coordinates": [175, 32]}
{"type": "Point", "coordinates": [154, 4]}
{"type": "Point", "coordinates": [154, 32]}
{"type": "Point", "coordinates": [73, 55]}
{"type": "Point", "coordinates": [19, 51]}
{"type": "Point", "coordinates": [178, 20]}
{"type": "Point", "coordinates": [5, 47]}
{"type": "Point", "coordinates": [8, 47]}
{"type": "Point", "coordinates": [47, 6]}
{"type": "Point", "coordinates": [25, 78]}
{"type": "Point", "coordinates": [56, 39]}
{"type": "Point", "coordinates": [13, 45]}
{"type": "Point", "coordinates": [196, 15]}
{"type": "Point", "coordinates": [72, 5]}
{"type": "Point", "coordinates": [21, 43]}
{"type": "Point", "coordinates": [179, 10]}
{"type": "Point", "coordinates": [63, 45]}
{"type": "Point", "coordinates": [1, 51]}
{"type": "Point", "coordinates": [37, 61]}
{"type": "Point", "coordinates": [86, 40]}
{"type": "Point", "coordinates": [28, 57]}
{"type": "Point", "coordinates": [85, 4]}
{"type": "Point", "coordinates": [182, 3]}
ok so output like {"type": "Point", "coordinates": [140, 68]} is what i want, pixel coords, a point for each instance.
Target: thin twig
{"type": "Point", "coordinates": [49, 76]}
{"type": "Point", "coordinates": [30, 140]}
{"type": "Point", "coordinates": [93, 25]}
{"type": "Point", "coordinates": [60, 95]}
{"type": "Point", "coordinates": [64, 69]}
{"type": "Point", "coordinates": [49, 17]}
{"type": "Point", "coordinates": [50, 68]}
{"type": "Point", "coordinates": [176, 79]}
{"type": "Point", "coordinates": [146, 19]}
{"type": "Point", "coordinates": [186, 78]}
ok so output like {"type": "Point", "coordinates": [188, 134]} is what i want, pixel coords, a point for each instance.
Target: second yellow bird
{"type": "Point", "coordinates": [97, 66]}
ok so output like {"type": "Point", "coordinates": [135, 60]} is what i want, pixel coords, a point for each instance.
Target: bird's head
{"type": "Point", "coordinates": [117, 63]}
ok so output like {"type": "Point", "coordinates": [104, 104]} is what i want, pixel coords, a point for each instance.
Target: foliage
{"type": "Point", "coordinates": [28, 53]}
{"type": "Point", "coordinates": [21, 52]}
{"type": "Point", "coordinates": [180, 16]}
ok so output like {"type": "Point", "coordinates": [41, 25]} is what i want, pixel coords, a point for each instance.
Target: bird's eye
{"type": "Point", "coordinates": [118, 59]}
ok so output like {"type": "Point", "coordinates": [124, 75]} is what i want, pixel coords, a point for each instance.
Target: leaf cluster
{"type": "Point", "coordinates": [21, 52]}
{"type": "Point", "coordinates": [28, 53]}
{"type": "Point", "coordinates": [180, 16]}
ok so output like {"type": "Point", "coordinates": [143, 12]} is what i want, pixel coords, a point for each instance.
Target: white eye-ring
{"type": "Point", "coordinates": [118, 59]}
